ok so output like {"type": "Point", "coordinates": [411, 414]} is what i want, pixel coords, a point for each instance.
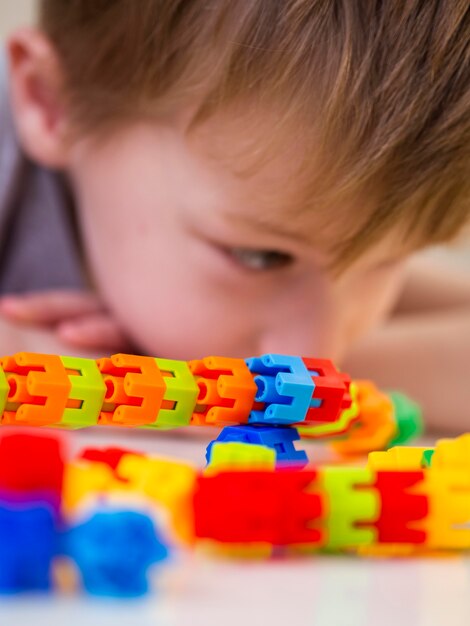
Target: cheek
{"type": "Point", "coordinates": [165, 290]}
{"type": "Point", "coordinates": [371, 300]}
{"type": "Point", "coordinates": [173, 314]}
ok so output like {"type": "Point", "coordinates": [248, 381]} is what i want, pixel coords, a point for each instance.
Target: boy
{"type": "Point", "coordinates": [189, 177]}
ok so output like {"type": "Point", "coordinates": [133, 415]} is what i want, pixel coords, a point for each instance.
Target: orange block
{"type": "Point", "coordinates": [375, 426]}
{"type": "Point", "coordinates": [226, 391]}
{"type": "Point", "coordinates": [39, 389]}
{"type": "Point", "coordinates": [134, 390]}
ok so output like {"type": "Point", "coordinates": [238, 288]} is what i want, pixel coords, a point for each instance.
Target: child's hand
{"type": "Point", "coordinates": [77, 318]}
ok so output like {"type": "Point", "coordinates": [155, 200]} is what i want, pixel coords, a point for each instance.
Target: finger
{"type": "Point", "coordinates": [94, 331]}
{"type": "Point", "coordinates": [16, 337]}
{"type": "Point", "coordinates": [49, 307]}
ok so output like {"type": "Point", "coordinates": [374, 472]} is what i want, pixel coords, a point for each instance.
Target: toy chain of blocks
{"type": "Point", "coordinates": [130, 390]}
{"type": "Point", "coordinates": [271, 400]}
{"type": "Point", "coordinates": [114, 513]}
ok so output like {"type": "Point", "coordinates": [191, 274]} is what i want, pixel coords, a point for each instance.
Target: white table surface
{"type": "Point", "coordinates": [317, 591]}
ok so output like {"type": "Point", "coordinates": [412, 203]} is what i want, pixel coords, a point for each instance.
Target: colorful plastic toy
{"type": "Point", "coordinates": [278, 508]}
{"type": "Point", "coordinates": [353, 507]}
{"type": "Point", "coordinates": [222, 455]}
{"type": "Point", "coordinates": [138, 391]}
{"type": "Point", "coordinates": [278, 438]}
{"type": "Point", "coordinates": [113, 550]}
{"type": "Point", "coordinates": [285, 389]}
{"type": "Point", "coordinates": [28, 545]}
{"type": "Point", "coordinates": [113, 512]}
{"type": "Point", "coordinates": [273, 399]}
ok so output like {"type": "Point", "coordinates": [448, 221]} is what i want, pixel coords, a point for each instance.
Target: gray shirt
{"type": "Point", "coordinates": [38, 242]}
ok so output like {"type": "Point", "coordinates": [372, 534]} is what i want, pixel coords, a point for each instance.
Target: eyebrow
{"type": "Point", "coordinates": [256, 222]}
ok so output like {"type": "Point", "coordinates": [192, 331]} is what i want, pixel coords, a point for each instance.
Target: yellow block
{"type": "Point", "coordinates": [84, 481]}
{"type": "Point", "coordinates": [398, 458]}
{"type": "Point", "coordinates": [448, 523]}
{"type": "Point", "coordinates": [452, 453]}
{"type": "Point", "coordinates": [167, 483]}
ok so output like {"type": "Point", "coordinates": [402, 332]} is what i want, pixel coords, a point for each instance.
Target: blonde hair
{"type": "Point", "coordinates": [382, 85]}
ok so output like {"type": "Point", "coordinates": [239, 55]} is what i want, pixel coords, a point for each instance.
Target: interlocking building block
{"type": "Point", "coordinates": [279, 438]}
{"type": "Point", "coordinates": [39, 389]}
{"type": "Point", "coordinates": [87, 393]}
{"type": "Point", "coordinates": [4, 391]}
{"type": "Point", "coordinates": [347, 418]}
{"type": "Point", "coordinates": [452, 454]}
{"type": "Point", "coordinates": [448, 523]}
{"type": "Point", "coordinates": [31, 464]}
{"type": "Point", "coordinates": [180, 397]}
{"type": "Point", "coordinates": [223, 456]}
{"type": "Point", "coordinates": [331, 395]}
{"type": "Point", "coordinates": [398, 458]}
{"type": "Point", "coordinates": [426, 460]}
{"type": "Point", "coordinates": [134, 390]}
{"type": "Point", "coordinates": [85, 482]}
{"type": "Point", "coordinates": [28, 544]}
{"type": "Point", "coordinates": [226, 391]}
{"type": "Point", "coordinates": [408, 418]}
{"type": "Point", "coordinates": [404, 507]}
{"type": "Point", "coordinates": [285, 389]}
{"type": "Point", "coordinates": [375, 426]}
{"type": "Point", "coordinates": [168, 484]}
{"type": "Point", "coordinates": [352, 506]}
{"type": "Point", "coordinates": [279, 508]}
{"type": "Point", "coordinates": [109, 456]}
{"type": "Point", "coordinates": [113, 551]}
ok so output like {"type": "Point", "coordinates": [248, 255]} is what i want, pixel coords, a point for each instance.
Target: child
{"type": "Point", "coordinates": [189, 177]}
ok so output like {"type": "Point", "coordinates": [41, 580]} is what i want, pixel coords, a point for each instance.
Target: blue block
{"type": "Point", "coordinates": [28, 544]}
{"type": "Point", "coordinates": [113, 551]}
{"type": "Point", "coordinates": [30, 499]}
{"type": "Point", "coordinates": [279, 438]}
{"type": "Point", "coordinates": [285, 386]}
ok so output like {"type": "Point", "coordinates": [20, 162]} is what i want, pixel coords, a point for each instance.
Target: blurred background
{"type": "Point", "coordinates": [14, 13]}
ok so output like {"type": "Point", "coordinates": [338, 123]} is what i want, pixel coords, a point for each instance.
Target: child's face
{"type": "Point", "coordinates": [194, 259]}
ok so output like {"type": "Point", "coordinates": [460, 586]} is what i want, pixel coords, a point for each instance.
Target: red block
{"type": "Point", "coordinates": [108, 456]}
{"type": "Point", "coordinates": [331, 387]}
{"type": "Point", "coordinates": [31, 463]}
{"type": "Point", "coordinates": [400, 508]}
{"type": "Point", "coordinates": [253, 507]}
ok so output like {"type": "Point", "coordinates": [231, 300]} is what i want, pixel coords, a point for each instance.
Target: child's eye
{"type": "Point", "coordinates": [259, 260]}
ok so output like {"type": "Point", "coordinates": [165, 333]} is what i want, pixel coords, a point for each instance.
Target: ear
{"type": "Point", "coordinates": [36, 88]}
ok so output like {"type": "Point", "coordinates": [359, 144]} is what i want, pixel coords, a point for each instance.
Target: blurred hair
{"type": "Point", "coordinates": [379, 88]}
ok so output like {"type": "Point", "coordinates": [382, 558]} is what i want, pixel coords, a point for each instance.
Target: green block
{"type": "Point", "coordinates": [235, 454]}
{"type": "Point", "coordinates": [4, 390]}
{"type": "Point", "coordinates": [347, 505]}
{"type": "Point", "coordinates": [426, 460]}
{"type": "Point", "coordinates": [408, 418]}
{"type": "Point", "coordinates": [88, 388]}
{"type": "Point", "coordinates": [182, 389]}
